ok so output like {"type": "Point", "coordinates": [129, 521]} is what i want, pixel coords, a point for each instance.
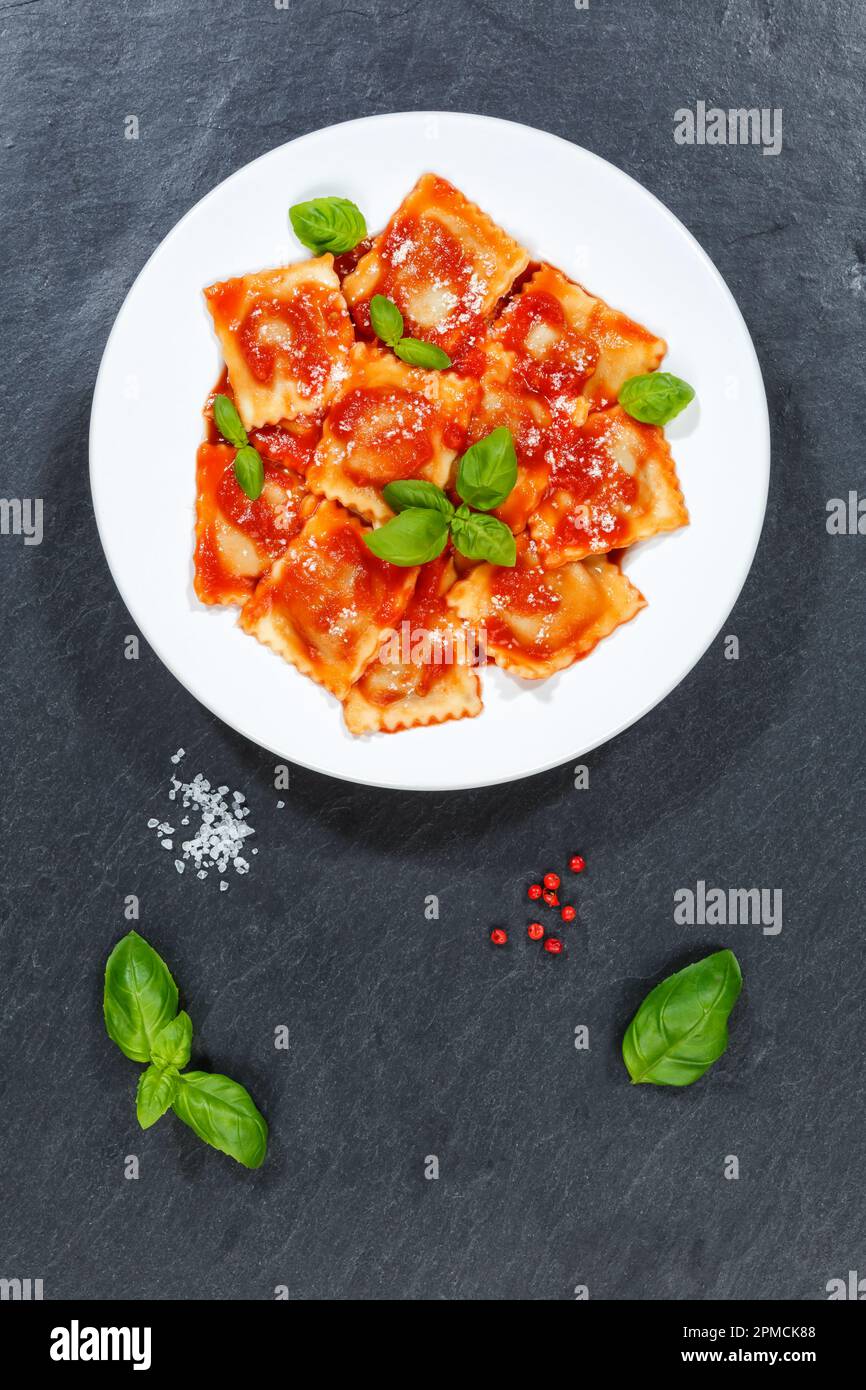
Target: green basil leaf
{"type": "Point", "coordinates": [222, 1113]}
{"type": "Point", "coordinates": [488, 471]}
{"type": "Point", "coordinates": [386, 319]}
{"type": "Point", "coordinates": [228, 422]}
{"type": "Point", "coordinates": [173, 1043]}
{"type": "Point", "coordinates": [328, 224]}
{"type": "Point", "coordinates": [655, 398]}
{"type": "Point", "coordinates": [482, 537]}
{"type": "Point", "coordinates": [415, 492]}
{"type": "Point", "coordinates": [249, 472]}
{"type": "Point", "coordinates": [140, 996]}
{"type": "Point", "coordinates": [412, 538]}
{"type": "Point", "coordinates": [419, 354]}
{"type": "Point", "coordinates": [681, 1027]}
{"type": "Point", "coordinates": [156, 1091]}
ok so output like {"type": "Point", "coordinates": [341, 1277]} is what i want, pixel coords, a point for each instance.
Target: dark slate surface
{"type": "Point", "coordinates": [412, 1037]}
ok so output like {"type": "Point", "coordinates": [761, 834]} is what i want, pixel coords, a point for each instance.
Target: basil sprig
{"type": "Point", "coordinates": [681, 1028]}
{"type": "Point", "coordinates": [141, 1016]}
{"type": "Point", "coordinates": [387, 324]}
{"type": "Point", "coordinates": [425, 516]}
{"type": "Point", "coordinates": [249, 469]}
{"type": "Point", "coordinates": [328, 224]}
{"type": "Point", "coordinates": [656, 397]}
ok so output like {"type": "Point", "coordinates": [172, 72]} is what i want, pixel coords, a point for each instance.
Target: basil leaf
{"type": "Point", "coordinates": [412, 538]}
{"type": "Point", "coordinates": [228, 422]}
{"type": "Point", "coordinates": [655, 398]}
{"type": "Point", "coordinates": [173, 1043]}
{"type": "Point", "coordinates": [140, 996]}
{"type": "Point", "coordinates": [681, 1027]}
{"type": "Point", "coordinates": [328, 224]}
{"type": "Point", "coordinates": [386, 319]}
{"type": "Point", "coordinates": [488, 471]}
{"type": "Point", "coordinates": [249, 472]}
{"type": "Point", "coordinates": [415, 492]}
{"type": "Point", "coordinates": [222, 1113]}
{"type": "Point", "coordinates": [156, 1091]}
{"type": "Point", "coordinates": [419, 354]}
{"type": "Point", "coordinates": [481, 537]}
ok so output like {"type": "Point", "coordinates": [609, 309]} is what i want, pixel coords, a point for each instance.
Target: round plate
{"type": "Point", "coordinates": [566, 206]}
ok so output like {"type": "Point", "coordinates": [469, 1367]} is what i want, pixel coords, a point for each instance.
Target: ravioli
{"type": "Point", "coordinates": [423, 673]}
{"type": "Point", "coordinates": [236, 539]}
{"type": "Point", "coordinates": [390, 421]}
{"type": "Point", "coordinates": [540, 621]}
{"type": "Point", "coordinates": [571, 346]}
{"type": "Point", "coordinates": [613, 483]}
{"type": "Point", "coordinates": [285, 336]}
{"type": "Point", "coordinates": [443, 262]}
{"type": "Point", "coordinates": [328, 602]}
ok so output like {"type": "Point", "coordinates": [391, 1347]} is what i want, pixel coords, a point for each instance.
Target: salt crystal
{"type": "Point", "coordinates": [219, 837]}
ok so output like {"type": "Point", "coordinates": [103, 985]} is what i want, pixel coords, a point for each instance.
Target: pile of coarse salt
{"type": "Point", "coordinates": [216, 842]}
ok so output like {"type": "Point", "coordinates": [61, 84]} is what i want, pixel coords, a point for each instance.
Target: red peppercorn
{"type": "Point", "coordinates": [550, 898]}
{"type": "Point", "coordinates": [498, 936]}
{"type": "Point", "coordinates": [551, 880]}
{"type": "Point", "coordinates": [553, 945]}
{"type": "Point", "coordinates": [534, 891]}
{"type": "Point", "coordinates": [568, 913]}
{"type": "Point", "coordinates": [577, 863]}
{"type": "Point", "coordinates": [535, 931]}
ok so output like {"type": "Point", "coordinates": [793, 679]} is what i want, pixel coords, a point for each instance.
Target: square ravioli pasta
{"type": "Point", "coordinates": [389, 421]}
{"type": "Point", "coordinates": [570, 345]}
{"type": "Point", "coordinates": [285, 336]}
{"type": "Point", "coordinates": [539, 621]}
{"type": "Point", "coordinates": [613, 482]}
{"type": "Point", "coordinates": [423, 672]}
{"type": "Point", "coordinates": [236, 539]}
{"type": "Point", "coordinates": [443, 262]}
{"type": "Point", "coordinates": [328, 602]}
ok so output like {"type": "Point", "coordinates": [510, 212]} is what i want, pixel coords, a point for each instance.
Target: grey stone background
{"type": "Point", "coordinates": [411, 1037]}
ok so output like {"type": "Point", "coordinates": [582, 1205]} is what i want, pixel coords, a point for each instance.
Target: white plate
{"type": "Point", "coordinates": [565, 205]}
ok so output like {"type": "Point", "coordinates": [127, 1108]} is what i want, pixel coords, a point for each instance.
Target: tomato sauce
{"type": "Point", "coordinates": [386, 432]}
{"type": "Point", "coordinates": [420, 258]}
{"type": "Point", "coordinates": [566, 360]}
{"type": "Point", "coordinates": [294, 332]}
{"type": "Point", "coordinates": [591, 496]}
{"type": "Point", "coordinates": [333, 585]}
